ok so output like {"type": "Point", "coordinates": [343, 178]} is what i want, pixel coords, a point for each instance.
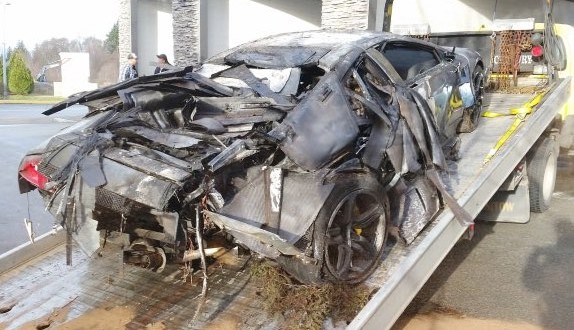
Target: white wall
{"type": "Point", "coordinates": [461, 15]}
{"type": "Point", "coordinates": [165, 34]}
{"type": "Point", "coordinates": [152, 20]}
{"type": "Point", "coordinates": [228, 23]}
{"type": "Point", "coordinates": [214, 27]}
{"type": "Point", "coordinates": [249, 20]}
{"type": "Point", "coordinates": [441, 15]}
{"type": "Point", "coordinates": [75, 74]}
{"type": "Point", "coordinates": [75, 67]}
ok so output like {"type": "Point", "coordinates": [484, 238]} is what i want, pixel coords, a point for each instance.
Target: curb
{"type": "Point", "coordinates": [28, 251]}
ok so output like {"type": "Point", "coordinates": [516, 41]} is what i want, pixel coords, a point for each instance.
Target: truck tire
{"type": "Point", "coordinates": [351, 229]}
{"type": "Point", "coordinates": [541, 166]}
{"type": "Point", "coordinates": [471, 116]}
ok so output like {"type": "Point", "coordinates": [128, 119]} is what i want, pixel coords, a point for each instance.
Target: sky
{"type": "Point", "coordinates": [34, 21]}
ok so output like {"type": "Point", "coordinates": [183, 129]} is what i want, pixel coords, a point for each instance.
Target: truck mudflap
{"type": "Point", "coordinates": [508, 206]}
{"type": "Point", "coordinates": [566, 138]}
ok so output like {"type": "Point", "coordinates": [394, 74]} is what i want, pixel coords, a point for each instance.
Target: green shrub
{"type": "Point", "coordinates": [20, 79]}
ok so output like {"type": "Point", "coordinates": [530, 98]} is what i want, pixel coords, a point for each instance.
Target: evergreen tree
{"type": "Point", "coordinates": [113, 39]}
{"type": "Point", "coordinates": [21, 47]}
{"type": "Point", "coordinates": [19, 76]}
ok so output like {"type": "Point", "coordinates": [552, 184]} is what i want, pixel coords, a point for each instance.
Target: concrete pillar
{"type": "Point", "coordinates": [125, 25]}
{"type": "Point", "coordinates": [346, 14]}
{"type": "Point", "coordinates": [186, 32]}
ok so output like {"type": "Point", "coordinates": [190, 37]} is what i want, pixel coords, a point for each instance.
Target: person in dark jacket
{"type": "Point", "coordinates": [129, 70]}
{"type": "Point", "coordinates": [162, 64]}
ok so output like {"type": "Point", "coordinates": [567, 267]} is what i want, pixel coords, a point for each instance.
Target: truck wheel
{"type": "Point", "coordinates": [351, 229]}
{"type": "Point", "coordinates": [471, 116]}
{"type": "Point", "coordinates": [542, 163]}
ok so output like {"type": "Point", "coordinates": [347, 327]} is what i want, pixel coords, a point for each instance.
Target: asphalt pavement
{"type": "Point", "coordinates": [22, 127]}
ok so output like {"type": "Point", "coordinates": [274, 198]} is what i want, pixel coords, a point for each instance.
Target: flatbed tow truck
{"type": "Point", "coordinates": [38, 290]}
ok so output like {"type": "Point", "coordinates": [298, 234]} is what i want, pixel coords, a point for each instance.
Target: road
{"type": "Point", "coordinates": [22, 127]}
{"type": "Point", "coordinates": [522, 274]}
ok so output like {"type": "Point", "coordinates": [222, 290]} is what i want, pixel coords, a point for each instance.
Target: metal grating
{"type": "Point", "coordinates": [113, 201]}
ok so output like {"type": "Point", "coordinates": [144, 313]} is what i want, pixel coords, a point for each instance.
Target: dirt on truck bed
{"type": "Point", "coordinates": [244, 292]}
{"type": "Point", "coordinates": [101, 293]}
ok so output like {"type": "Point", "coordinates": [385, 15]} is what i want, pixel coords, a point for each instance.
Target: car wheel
{"type": "Point", "coordinates": [352, 229]}
{"type": "Point", "coordinates": [541, 166]}
{"type": "Point", "coordinates": [471, 115]}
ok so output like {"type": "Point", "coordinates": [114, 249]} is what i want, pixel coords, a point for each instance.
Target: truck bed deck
{"type": "Point", "coordinates": [46, 290]}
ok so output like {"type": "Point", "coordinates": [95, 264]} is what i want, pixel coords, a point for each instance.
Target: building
{"type": "Point", "coordinates": [188, 31]}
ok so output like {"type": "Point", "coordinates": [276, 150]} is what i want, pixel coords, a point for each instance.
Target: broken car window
{"type": "Point", "coordinates": [410, 60]}
{"type": "Point", "coordinates": [369, 90]}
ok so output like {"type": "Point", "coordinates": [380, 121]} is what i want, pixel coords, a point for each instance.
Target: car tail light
{"type": "Point", "coordinates": [29, 171]}
{"type": "Point", "coordinates": [537, 51]}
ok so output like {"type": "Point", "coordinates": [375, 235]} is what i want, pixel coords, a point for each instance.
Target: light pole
{"type": "Point", "coordinates": [4, 78]}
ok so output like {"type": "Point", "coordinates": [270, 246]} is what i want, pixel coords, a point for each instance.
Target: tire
{"type": "Point", "coordinates": [471, 115]}
{"type": "Point", "coordinates": [351, 230]}
{"type": "Point", "coordinates": [541, 166]}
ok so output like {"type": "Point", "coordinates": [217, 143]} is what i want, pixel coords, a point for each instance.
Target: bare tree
{"type": "Point", "coordinates": [47, 52]}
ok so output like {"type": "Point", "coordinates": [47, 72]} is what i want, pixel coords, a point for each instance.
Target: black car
{"type": "Point", "coordinates": [307, 148]}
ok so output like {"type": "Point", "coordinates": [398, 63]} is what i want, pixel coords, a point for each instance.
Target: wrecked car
{"type": "Point", "coordinates": [306, 148]}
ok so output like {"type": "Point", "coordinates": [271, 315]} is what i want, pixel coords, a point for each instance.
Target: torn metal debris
{"type": "Point", "coordinates": [306, 148]}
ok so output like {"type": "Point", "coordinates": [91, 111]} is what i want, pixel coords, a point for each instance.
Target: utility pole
{"type": "Point", "coordinates": [4, 77]}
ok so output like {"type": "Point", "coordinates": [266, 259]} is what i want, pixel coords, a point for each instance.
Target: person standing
{"type": "Point", "coordinates": [129, 70]}
{"type": "Point", "coordinates": [162, 64]}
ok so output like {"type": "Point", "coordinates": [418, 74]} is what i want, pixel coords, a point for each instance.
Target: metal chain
{"type": "Point", "coordinates": [510, 47]}
{"type": "Point", "coordinates": [505, 65]}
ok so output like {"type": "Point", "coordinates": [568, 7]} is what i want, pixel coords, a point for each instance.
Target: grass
{"type": "Point", "coordinates": [307, 306]}
{"type": "Point", "coordinates": [31, 99]}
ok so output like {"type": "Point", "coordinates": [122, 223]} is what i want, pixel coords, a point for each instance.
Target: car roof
{"type": "Point", "coordinates": [322, 47]}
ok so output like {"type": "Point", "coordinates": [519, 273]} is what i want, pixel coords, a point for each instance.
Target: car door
{"type": "Point", "coordinates": [431, 73]}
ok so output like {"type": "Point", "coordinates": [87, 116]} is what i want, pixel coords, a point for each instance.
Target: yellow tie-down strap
{"type": "Point", "coordinates": [520, 115]}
